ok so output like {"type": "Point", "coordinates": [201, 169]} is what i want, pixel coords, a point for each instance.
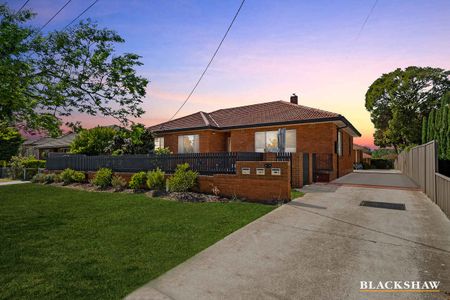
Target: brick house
{"type": "Point", "coordinates": [315, 136]}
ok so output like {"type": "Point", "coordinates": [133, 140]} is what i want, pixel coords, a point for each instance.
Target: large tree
{"type": "Point", "coordinates": [399, 100]}
{"type": "Point", "coordinates": [46, 77]}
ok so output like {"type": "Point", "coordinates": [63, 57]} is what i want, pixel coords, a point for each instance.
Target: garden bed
{"type": "Point", "coordinates": [175, 196]}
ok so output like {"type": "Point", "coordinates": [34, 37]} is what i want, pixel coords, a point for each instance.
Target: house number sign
{"type": "Point", "coordinates": [245, 171]}
{"type": "Point", "coordinates": [260, 171]}
{"type": "Point", "coordinates": [276, 171]}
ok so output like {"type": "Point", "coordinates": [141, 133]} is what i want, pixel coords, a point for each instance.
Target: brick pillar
{"type": "Point", "coordinates": [297, 170]}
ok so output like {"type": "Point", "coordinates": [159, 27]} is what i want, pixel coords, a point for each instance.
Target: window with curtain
{"type": "Point", "coordinates": [159, 142]}
{"type": "Point", "coordinates": [267, 141]}
{"type": "Point", "coordinates": [188, 143]}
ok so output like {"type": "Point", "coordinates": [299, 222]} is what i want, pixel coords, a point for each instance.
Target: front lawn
{"type": "Point", "coordinates": [63, 243]}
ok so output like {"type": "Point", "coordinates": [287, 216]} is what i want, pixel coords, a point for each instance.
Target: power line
{"type": "Point", "coordinates": [57, 13]}
{"type": "Point", "coordinates": [367, 19]}
{"type": "Point", "coordinates": [210, 61]}
{"type": "Point", "coordinates": [82, 13]}
{"type": "Point", "coordinates": [26, 2]}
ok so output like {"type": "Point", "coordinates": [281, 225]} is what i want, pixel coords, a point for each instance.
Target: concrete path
{"type": "Point", "coordinates": [320, 247]}
{"type": "Point", "coordinates": [387, 178]}
{"type": "Point", "coordinates": [13, 182]}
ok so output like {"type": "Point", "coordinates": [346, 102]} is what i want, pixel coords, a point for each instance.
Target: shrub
{"type": "Point", "coordinates": [19, 163]}
{"type": "Point", "coordinates": [70, 176]}
{"type": "Point", "coordinates": [118, 183]}
{"type": "Point", "coordinates": [162, 151]}
{"type": "Point", "coordinates": [51, 177]}
{"type": "Point", "coordinates": [138, 181]}
{"type": "Point", "coordinates": [183, 179]}
{"type": "Point", "coordinates": [66, 176]}
{"type": "Point", "coordinates": [38, 178]}
{"type": "Point", "coordinates": [155, 179]}
{"type": "Point", "coordinates": [103, 178]}
{"type": "Point", "coordinates": [79, 177]}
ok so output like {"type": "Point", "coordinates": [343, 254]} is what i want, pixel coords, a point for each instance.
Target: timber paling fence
{"type": "Point", "coordinates": [420, 164]}
{"type": "Point", "coordinates": [204, 163]}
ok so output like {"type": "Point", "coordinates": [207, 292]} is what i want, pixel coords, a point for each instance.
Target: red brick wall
{"type": "Point", "coordinates": [311, 138]}
{"type": "Point", "coordinates": [209, 140]}
{"type": "Point", "coordinates": [260, 188]}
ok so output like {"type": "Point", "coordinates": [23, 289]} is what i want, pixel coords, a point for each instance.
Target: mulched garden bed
{"type": "Point", "coordinates": [175, 196]}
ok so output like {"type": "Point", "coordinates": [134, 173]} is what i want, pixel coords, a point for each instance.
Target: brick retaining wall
{"type": "Point", "coordinates": [252, 187]}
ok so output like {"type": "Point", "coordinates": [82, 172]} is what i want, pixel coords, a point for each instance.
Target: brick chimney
{"type": "Point", "coordinates": [294, 99]}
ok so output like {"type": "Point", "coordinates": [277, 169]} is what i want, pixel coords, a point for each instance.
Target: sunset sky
{"type": "Point", "coordinates": [275, 48]}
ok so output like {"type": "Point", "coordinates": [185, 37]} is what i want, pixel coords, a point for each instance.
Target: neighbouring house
{"type": "Point", "coordinates": [323, 139]}
{"type": "Point", "coordinates": [361, 154]}
{"type": "Point", "coordinates": [40, 147]}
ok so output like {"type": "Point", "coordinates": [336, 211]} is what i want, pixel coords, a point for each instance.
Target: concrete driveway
{"type": "Point", "coordinates": [384, 178]}
{"type": "Point", "coordinates": [320, 247]}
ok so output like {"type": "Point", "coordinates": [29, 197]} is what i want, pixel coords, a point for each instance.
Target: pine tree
{"type": "Point", "coordinates": [424, 130]}
{"type": "Point", "coordinates": [430, 134]}
{"type": "Point", "coordinates": [442, 129]}
{"type": "Point", "coordinates": [443, 136]}
{"type": "Point", "coordinates": [437, 128]}
{"type": "Point", "coordinates": [448, 135]}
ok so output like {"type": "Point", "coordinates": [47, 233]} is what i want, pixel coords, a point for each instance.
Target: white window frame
{"type": "Point", "coordinates": [291, 145]}
{"type": "Point", "coordinates": [195, 143]}
{"type": "Point", "coordinates": [159, 142]}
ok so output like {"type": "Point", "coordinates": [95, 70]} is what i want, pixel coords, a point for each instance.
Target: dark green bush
{"type": "Point", "coordinates": [138, 181]}
{"type": "Point", "coordinates": [118, 183]}
{"type": "Point", "coordinates": [103, 178]}
{"type": "Point", "coordinates": [156, 180]}
{"type": "Point", "coordinates": [183, 179]}
{"type": "Point", "coordinates": [381, 164]}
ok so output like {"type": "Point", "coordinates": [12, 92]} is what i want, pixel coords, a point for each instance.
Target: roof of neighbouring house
{"type": "Point", "coordinates": [59, 142]}
{"type": "Point", "coordinates": [262, 114]}
{"type": "Point", "coordinates": [367, 155]}
{"type": "Point", "coordinates": [362, 148]}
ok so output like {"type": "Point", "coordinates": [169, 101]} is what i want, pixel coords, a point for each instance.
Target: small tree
{"type": "Point", "coordinates": [93, 141]}
{"type": "Point", "coordinates": [10, 141]}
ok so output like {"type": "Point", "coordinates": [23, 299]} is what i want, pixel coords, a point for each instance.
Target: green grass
{"type": "Point", "coordinates": [62, 243]}
{"type": "Point", "coordinates": [296, 194]}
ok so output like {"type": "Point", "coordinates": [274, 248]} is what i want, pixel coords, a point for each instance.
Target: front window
{"type": "Point", "coordinates": [159, 142]}
{"type": "Point", "coordinates": [271, 141]}
{"type": "Point", "coordinates": [188, 143]}
{"type": "Point", "coordinates": [339, 144]}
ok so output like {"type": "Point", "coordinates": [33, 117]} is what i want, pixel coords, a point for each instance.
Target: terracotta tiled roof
{"type": "Point", "coordinates": [275, 112]}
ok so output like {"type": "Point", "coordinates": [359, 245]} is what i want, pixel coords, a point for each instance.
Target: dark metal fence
{"type": "Point", "coordinates": [204, 163]}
